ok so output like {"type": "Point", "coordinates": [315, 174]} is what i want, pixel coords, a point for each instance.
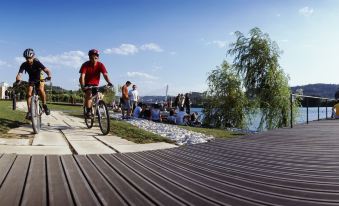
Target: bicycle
{"type": "Point", "coordinates": [36, 109]}
{"type": "Point", "coordinates": [99, 108]}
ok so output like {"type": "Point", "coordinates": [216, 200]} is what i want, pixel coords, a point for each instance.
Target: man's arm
{"type": "Point", "coordinates": [107, 78]}
{"type": "Point", "coordinates": [48, 72]}
{"type": "Point", "coordinates": [18, 77]}
{"type": "Point", "coordinates": [82, 79]}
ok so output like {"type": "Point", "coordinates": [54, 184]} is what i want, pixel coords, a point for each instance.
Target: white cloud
{"type": "Point", "coordinates": [73, 59]}
{"type": "Point", "coordinates": [283, 40]}
{"type": "Point", "coordinates": [4, 64]}
{"type": "Point", "coordinates": [156, 68]}
{"type": "Point", "coordinates": [141, 75]}
{"type": "Point", "coordinates": [124, 49]}
{"type": "Point", "coordinates": [130, 49]}
{"type": "Point", "coordinates": [306, 11]}
{"type": "Point", "coordinates": [219, 43]}
{"type": "Point", "coordinates": [151, 47]}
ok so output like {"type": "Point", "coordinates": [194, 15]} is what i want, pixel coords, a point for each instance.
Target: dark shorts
{"type": "Point", "coordinates": [94, 90]}
{"type": "Point", "coordinates": [125, 104]}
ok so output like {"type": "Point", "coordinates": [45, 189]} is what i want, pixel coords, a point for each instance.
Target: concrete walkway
{"type": "Point", "coordinates": [63, 134]}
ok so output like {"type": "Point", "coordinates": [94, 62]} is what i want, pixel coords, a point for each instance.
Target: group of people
{"type": "Point", "coordinates": [129, 100]}
{"type": "Point", "coordinates": [182, 101]}
{"type": "Point", "coordinates": [175, 116]}
{"type": "Point", "coordinates": [90, 72]}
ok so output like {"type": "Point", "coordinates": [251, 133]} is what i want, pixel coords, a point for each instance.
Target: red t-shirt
{"type": "Point", "coordinates": [92, 73]}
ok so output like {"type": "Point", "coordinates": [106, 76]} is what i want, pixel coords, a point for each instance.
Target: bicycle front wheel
{"type": "Point", "coordinates": [88, 120]}
{"type": "Point", "coordinates": [35, 115]}
{"type": "Point", "coordinates": [103, 117]}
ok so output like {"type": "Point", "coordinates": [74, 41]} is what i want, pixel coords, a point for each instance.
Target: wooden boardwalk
{"type": "Point", "coordinates": [298, 166]}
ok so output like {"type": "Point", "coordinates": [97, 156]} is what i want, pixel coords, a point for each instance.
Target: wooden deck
{"type": "Point", "coordinates": [298, 166]}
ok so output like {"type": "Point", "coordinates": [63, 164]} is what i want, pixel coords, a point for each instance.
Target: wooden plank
{"type": "Point", "coordinates": [35, 188]}
{"type": "Point", "coordinates": [13, 186]}
{"type": "Point", "coordinates": [193, 186]}
{"type": "Point", "coordinates": [130, 194]}
{"type": "Point", "coordinates": [152, 192]}
{"type": "Point", "coordinates": [6, 162]}
{"type": "Point", "coordinates": [249, 184]}
{"type": "Point", "coordinates": [80, 189]}
{"type": "Point", "coordinates": [58, 190]}
{"type": "Point", "coordinates": [106, 193]}
{"type": "Point", "coordinates": [225, 167]}
{"type": "Point", "coordinates": [177, 191]}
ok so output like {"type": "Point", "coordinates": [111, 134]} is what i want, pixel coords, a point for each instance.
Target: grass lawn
{"type": "Point", "coordinates": [10, 119]}
{"type": "Point", "coordinates": [218, 133]}
{"type": "Point", "coordinates": [135, 134]}
{"type": "Point", "coordinates": [118, 128]}
{"type": "Point", "coordinates": [65, 108]}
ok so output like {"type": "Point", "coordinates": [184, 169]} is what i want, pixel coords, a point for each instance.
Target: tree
{"type": "Point", "coordinates": [225, 101]}
{"type": "Point", "coordinates": [256, 60]}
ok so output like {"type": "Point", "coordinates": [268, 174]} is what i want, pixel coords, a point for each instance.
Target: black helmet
{"type": "Point", "coordinates": [93, 51]}
{"type": "Point", "coordinates": [29, 53]}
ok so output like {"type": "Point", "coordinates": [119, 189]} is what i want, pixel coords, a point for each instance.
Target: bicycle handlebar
{"type": "Point", "coordinates": [97, 87]}
{"type": "Point", "coordinates": [17, 83]}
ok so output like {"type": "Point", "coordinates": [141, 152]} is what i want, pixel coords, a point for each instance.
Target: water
{"type": "Point", "coordinates": [301, 118]}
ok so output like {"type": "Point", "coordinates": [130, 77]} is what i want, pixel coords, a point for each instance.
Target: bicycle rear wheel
{"type": "Point", "coordinates": [14, 101]}
{"type": "Point", "coordinates": [35, 115]}
{"type": "Point", "coordinates": [103, 117]}
{"type": "Point", "coordinates": [88, 120]}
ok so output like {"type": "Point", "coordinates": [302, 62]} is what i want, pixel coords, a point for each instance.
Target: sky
{"type": "Point", "coordinates": [154, 43]}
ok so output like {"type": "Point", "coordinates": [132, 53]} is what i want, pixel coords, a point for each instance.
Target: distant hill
{"type": "Point", "coordinates": [319, 90]}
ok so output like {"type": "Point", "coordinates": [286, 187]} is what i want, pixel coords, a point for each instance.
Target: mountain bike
{"type": "Point", "coordinates": [36, 109]}
{"type": "Point", "coordinates": [99, 108]}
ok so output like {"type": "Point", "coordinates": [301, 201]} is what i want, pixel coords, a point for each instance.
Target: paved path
{"type": "Point", "coordinates": [63, 134]}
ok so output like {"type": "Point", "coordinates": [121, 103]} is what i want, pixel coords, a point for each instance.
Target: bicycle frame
{"type": "Point", "coordinates": [99, 109]}
{"type": "Point", "coordinates": [35, 107]}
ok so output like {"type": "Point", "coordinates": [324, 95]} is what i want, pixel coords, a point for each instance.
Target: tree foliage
{"type": "Point", "coordinates": [256, 60]}
{"type": "Point", "coordinates": [225, 100]}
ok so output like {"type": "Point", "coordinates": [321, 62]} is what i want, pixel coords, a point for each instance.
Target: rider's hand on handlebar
{"type": "Point", "coordinates": [48, 78]}
{"type": "Point", "coordinates": [110, 84]}
{"type": "Point", "coordinates": [17, 82]}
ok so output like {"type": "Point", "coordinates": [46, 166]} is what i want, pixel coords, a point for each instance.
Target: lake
{"type": "Point", "coordinates": [301, 118]}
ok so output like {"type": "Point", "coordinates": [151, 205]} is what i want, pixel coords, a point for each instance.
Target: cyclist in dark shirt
{"type": "Point", "coordinates": [34, 68]}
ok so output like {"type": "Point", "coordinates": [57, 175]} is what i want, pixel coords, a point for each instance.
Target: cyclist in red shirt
{"type": "Point", "coordinates": [90, 76]}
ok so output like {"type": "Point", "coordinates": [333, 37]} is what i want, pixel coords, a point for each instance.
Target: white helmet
{"type": "Point", "coordinates": [29, 53]}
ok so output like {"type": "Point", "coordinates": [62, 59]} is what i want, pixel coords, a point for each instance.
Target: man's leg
{"type": "Point", "coordinates": [42, 94]}
{"type": "Point", "coordinates": [88, 102]}
{"type": "Point", "coordinates": [28, 96]}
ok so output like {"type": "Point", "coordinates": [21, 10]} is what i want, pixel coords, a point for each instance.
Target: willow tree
{"type": "Point", "coordinates": [224, 100]}
{"type": "Point", "coordinates": [256, 61]}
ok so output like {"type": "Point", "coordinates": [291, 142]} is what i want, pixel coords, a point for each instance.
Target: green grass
{"type": "Point", "coordinates": [132, 133]}
{"type": "Point", "coordinates": [10, 119]}
{"type": "Point", "coordinates": [218, 133]}
{"type": "Point", "coordinates": [137, 135]}
{"type": "Point", "coordinates": [118, 128]}
{"type": "Point", "coordinates": [65, 108]}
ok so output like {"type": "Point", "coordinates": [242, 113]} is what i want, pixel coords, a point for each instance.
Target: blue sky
{"type": "Point", "coordinates": [176, 42]}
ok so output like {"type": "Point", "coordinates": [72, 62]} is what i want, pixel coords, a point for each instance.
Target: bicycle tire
{"type": "Point", "coordinates": [14, 102]}
{"type": "Point", "coordinates": [35, 115]}
{"type": "Point", "coordinates": [88, 121]}
{"type": "Point", "coordinates": [103, 117]}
